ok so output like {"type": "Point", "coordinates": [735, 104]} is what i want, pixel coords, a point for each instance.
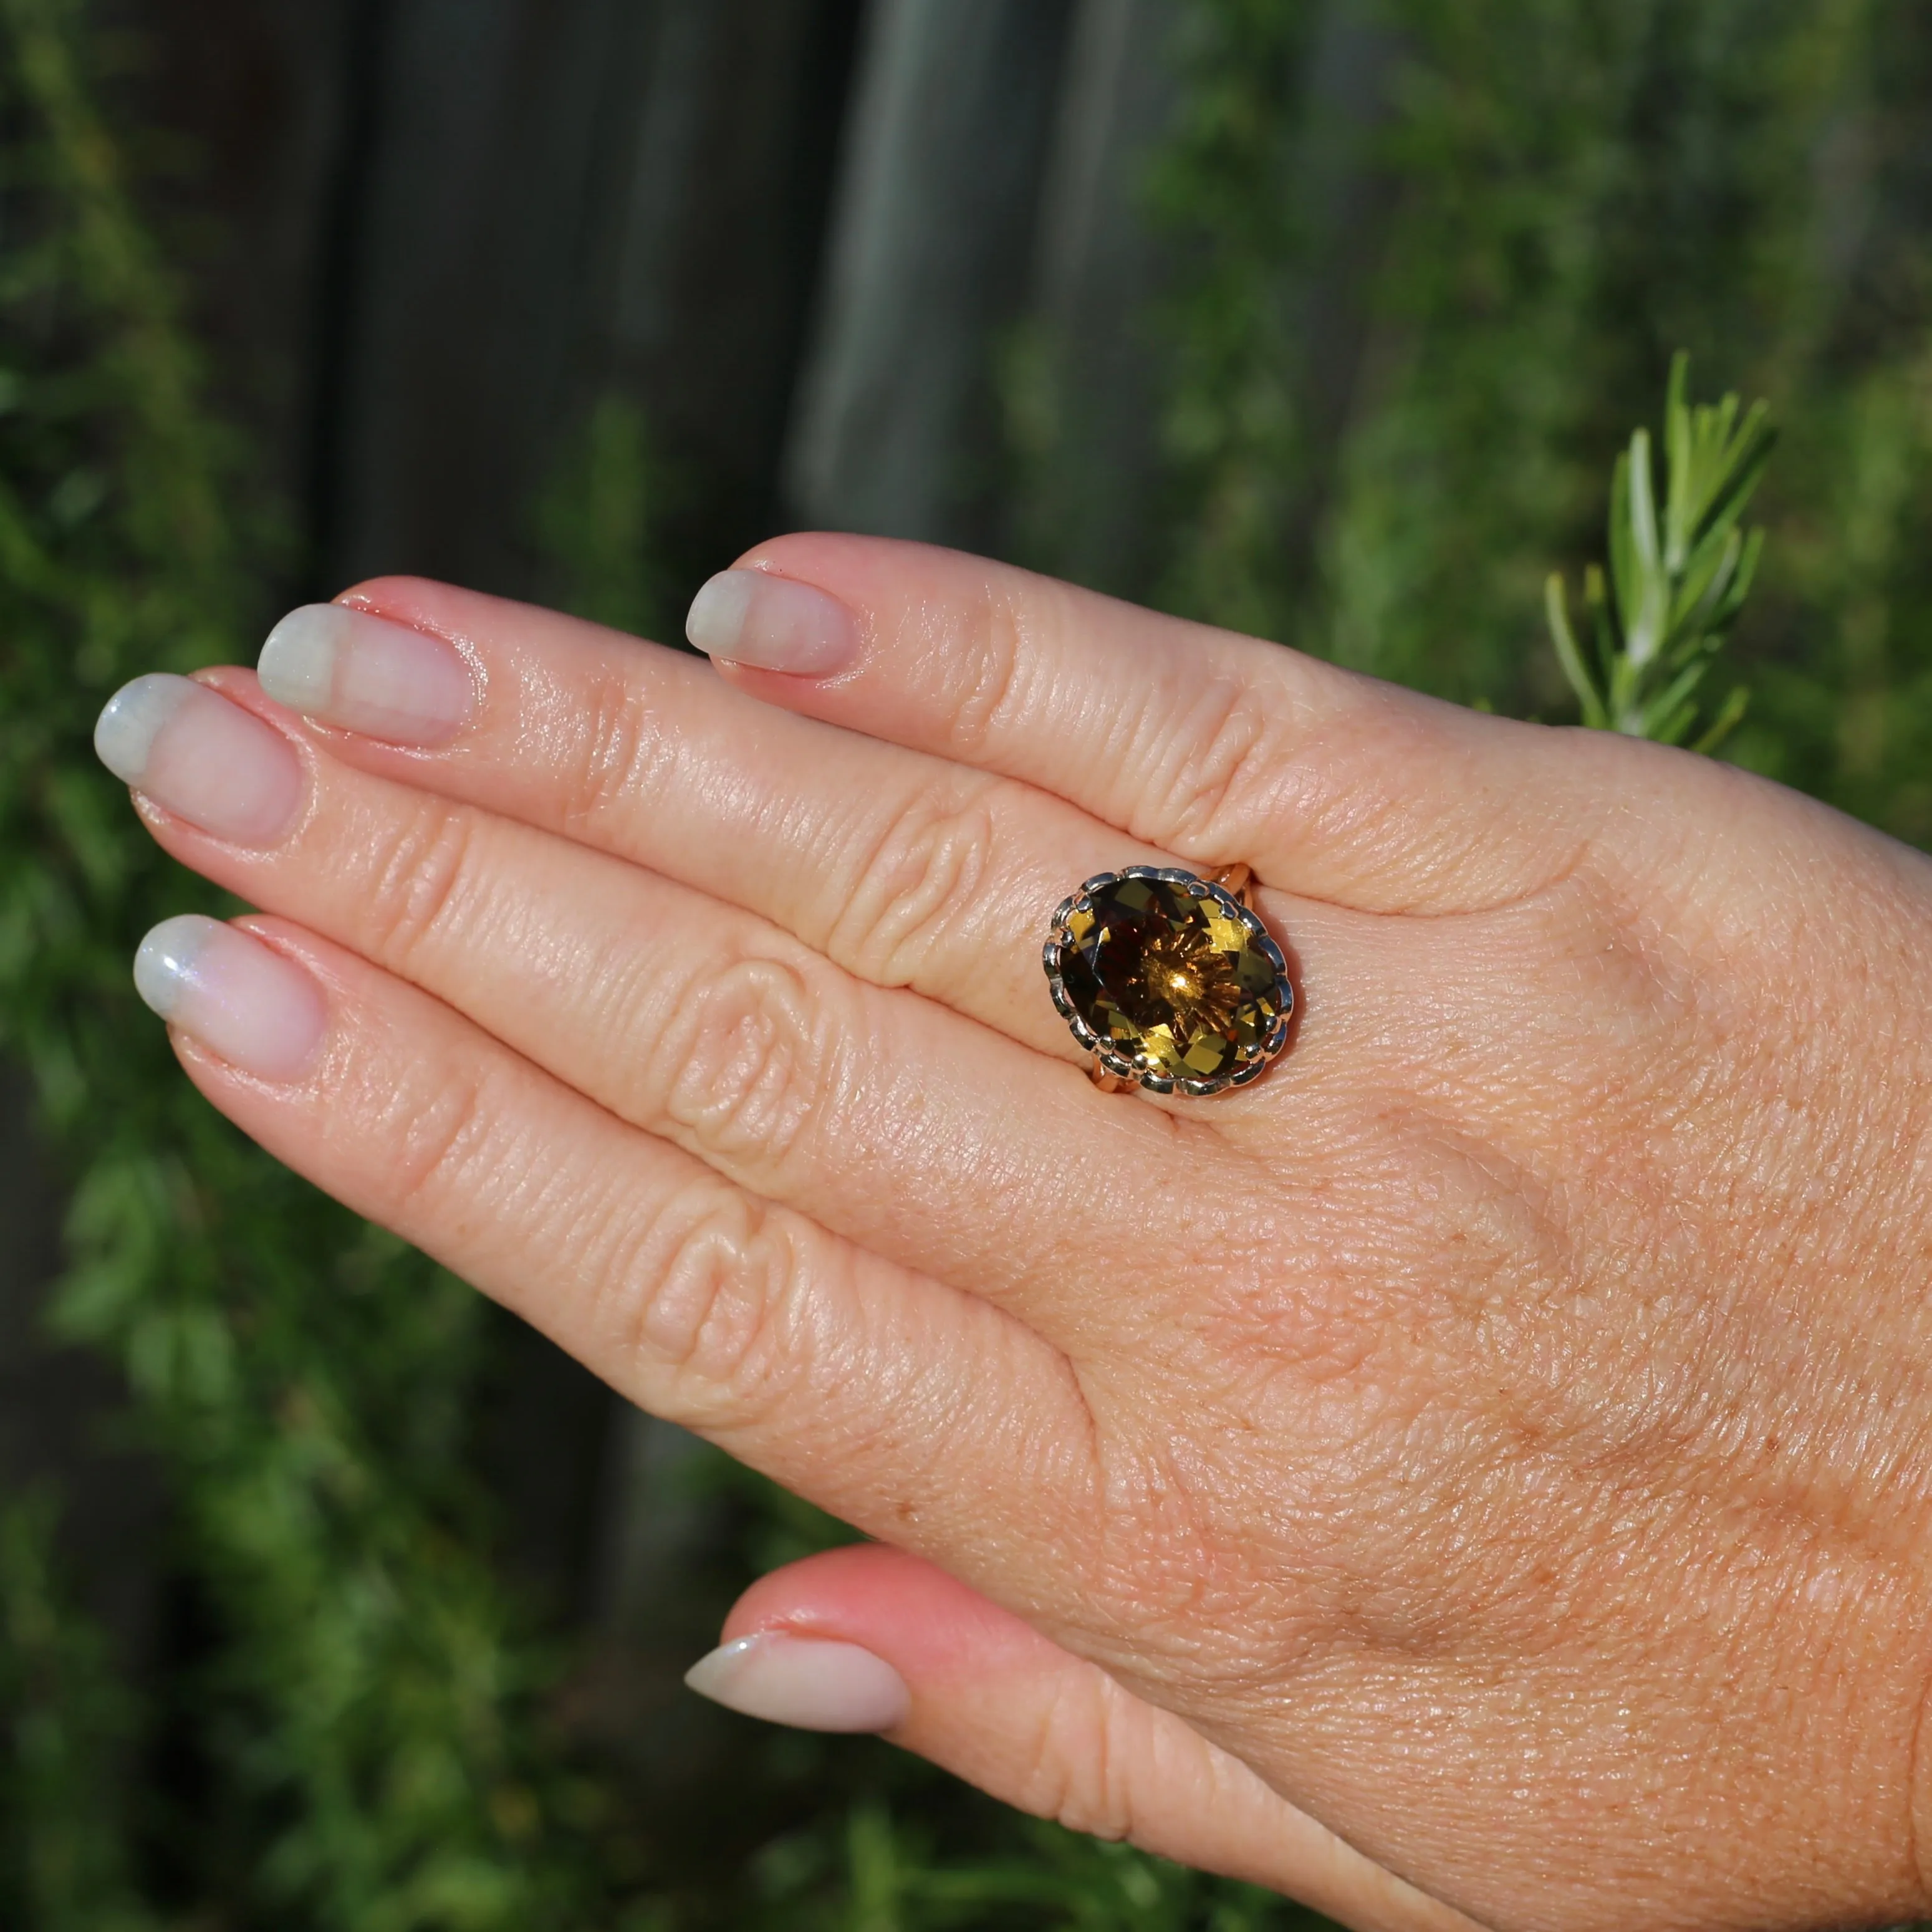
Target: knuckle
{"type": "Point", "coordinates": [935, 854]}
{"type": "Point", "coordinates": [1075, 1772]}
{"type": "Point", "coordinates": [436, 1139]}
{"type": "Point", "coordinates": [746, 1051]}
{"type": "Point", "coordinates": [419, 887]}
{"type": "Point", "coordinates": [1223, 758]}
{"type": "Point", "coordinates": [988, 682]}
{"type": "Point", "coordinates": [704, 1291]}
{"type": "Point", "coordinates": [620, 756]}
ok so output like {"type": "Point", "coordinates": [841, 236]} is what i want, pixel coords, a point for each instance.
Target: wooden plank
{"type": "Point", "coordinates": [929, 260]}
{"type": "Point", "coordinates": [1086, 501]}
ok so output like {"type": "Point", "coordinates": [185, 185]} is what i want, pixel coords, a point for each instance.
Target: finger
{"type": "Point", "coordinates": [889, 1400]}
{"type": "Point", "coordinates": [701, 1023]}
{"type": "Point", "coordinates": [905, 869]}
{"type": "Point", "coordinates": [870, 1639]}
{"type": "Point", "coordinates": [1220, 748]}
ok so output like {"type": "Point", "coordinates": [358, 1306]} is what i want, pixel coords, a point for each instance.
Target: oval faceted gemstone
{"type": "Point", "coordinates": [1177, 985]}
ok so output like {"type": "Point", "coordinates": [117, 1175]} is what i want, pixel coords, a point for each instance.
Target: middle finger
{"type": "Point", "coordinates": [887, 1118]}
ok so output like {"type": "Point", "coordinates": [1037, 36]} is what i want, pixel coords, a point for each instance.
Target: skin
{"type": "Point", "coordinates": [1481, 1471]}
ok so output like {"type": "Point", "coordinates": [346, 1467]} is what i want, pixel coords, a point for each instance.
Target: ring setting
{"type": "Point", "coordinates": [1171, 981]}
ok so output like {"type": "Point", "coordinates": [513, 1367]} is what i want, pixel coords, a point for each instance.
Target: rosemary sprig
{"type": "Point", "coordinates": [1673, 591]}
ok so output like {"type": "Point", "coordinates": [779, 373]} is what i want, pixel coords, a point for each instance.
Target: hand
{"type": "Point", "coordinates": [1484, 1467]}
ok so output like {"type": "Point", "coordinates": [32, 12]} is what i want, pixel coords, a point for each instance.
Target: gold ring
{"type": "Point", "coordinates": [1169, 980]}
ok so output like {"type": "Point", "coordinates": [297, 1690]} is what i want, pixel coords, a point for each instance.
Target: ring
{"type": "Point", "coordinates": [1170, 981]}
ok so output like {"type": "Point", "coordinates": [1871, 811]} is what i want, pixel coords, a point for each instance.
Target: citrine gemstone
{"type": "Point", "coordinates": [1175, 981]}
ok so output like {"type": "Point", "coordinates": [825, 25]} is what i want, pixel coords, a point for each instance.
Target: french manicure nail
{"type": "Point", "coordinates": [813, 1683]}
{"type": "Point", "coordinates": [772, 623]}
{"type": "Point", "coordinates": [343, 667]}
{"type": "Point", "coordinates": [188, 749]}
{"type": "Point", "coordinates": [247, 1004]}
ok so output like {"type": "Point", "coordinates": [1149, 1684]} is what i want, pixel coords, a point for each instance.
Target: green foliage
{"type": "Point", "coordinates": [368, 1717]}
{"type": "Point", "coordinates": [596, 521]}
{"type": "Point", "coordinates": [880, 1875]}
{"type": "Point", "coordinates": [1579, 188]}
{"type": "Point", "coordinates": [1566, 189]}
{"type": "Point", "coordinates": [1673, 592]}
{"type": "Point", "coordinates": [1234, 428]}
{"type": "Point", "coordinates": [60, 1786]}
{"type": "Point", "coordinates": [1560, 193]}
{"type": "Point", "coordinates": [1562, 190]}
{"type": "Point", "coordinates": [1849, 715]}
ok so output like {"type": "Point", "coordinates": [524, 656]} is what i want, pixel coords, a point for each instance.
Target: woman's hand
{"type": "Point", "coordinates": [1502, 1434]}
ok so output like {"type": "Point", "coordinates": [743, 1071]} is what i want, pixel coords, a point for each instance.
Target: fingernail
{"type": "Point", "coordinates": [189, 749]}
{"type": "Point", "coordinates": [810, 1683]}
{"type": "Point", "coordinates": [247, 1004]}
{"type": "Point", "coordinates": [772, 623]}
{"type": "Point", "coordinates": [343, 667]}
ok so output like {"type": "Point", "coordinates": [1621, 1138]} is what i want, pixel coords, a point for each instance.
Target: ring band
{"type": "Point", "coordinates": [1170, 980]}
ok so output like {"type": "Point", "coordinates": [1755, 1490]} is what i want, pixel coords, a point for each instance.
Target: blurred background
{"type": "Point", "coordinates": [328, 1598]}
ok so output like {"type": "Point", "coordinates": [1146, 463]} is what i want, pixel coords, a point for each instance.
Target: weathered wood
{"type": "Point", "coordinates": [715, 252]}
{"type": "Point", "coordinates": [566, 197]}
{"type": "Point", "coordinates": [467, 264]}
{"type": "Point", "coordinates": [929, 259]}
{"type": "Point", "coordinates": [1098, 265]}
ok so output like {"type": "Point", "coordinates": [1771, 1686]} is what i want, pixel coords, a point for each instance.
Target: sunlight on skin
{"type": "Point", "coordinates": [1480, 1471]}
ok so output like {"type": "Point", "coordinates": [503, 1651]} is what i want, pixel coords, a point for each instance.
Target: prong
{"type": "Point", "coordinates": [1235, 881]}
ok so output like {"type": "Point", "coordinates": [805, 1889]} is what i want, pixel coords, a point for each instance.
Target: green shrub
{"type": "Point", "coordinates": [1570, 189]}
{"type": "Point", "coordinates": [368, 1718]}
